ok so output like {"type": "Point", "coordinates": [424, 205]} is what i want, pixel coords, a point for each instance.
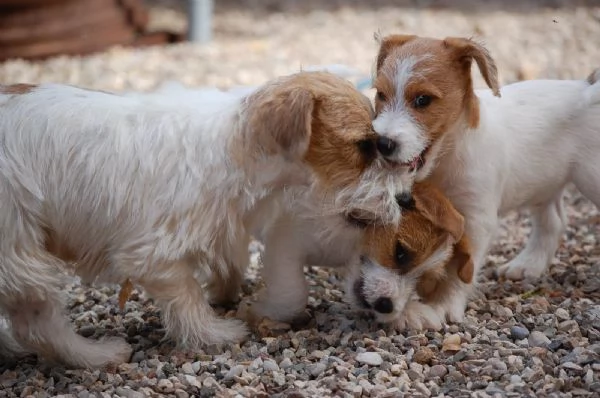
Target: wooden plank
{"type": "Point", "coordinates": [66, 10]}
{"type": "Point", "coordinates": [99, 41]}
{"type": "Point", "coordinates": [54, 29]}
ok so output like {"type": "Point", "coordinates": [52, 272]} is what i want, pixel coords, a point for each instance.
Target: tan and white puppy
{"type": "Point", "coordinates": [155, 189]}
{"type": "Point", "coordinates": [489, 154]}
{"type": "Point", "coordinates": [407, 270]}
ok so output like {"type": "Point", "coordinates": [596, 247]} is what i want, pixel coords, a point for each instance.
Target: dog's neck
{"type": "Point", "coordinates": [445, 151]}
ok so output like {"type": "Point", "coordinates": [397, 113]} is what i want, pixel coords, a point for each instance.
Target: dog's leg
{"type": "Point", "coordinates": [225, 289]}
{"type": "Point", "coordinates": [285, 294]}
{"type": "Point", "coordinates": [9, 347]}
{"type": "Point", "coordinates": [548, 225]}
{"type": "Point", "coordinates": [451, 301]}
{"type": "Point", "coordinates": [586, 175]}
{"type": "Point", "coordinates": [30, 295]}
{"type": "Point", "coordinates": [186, 313]}
{"type": "Point", "coordinates": [39, 325]}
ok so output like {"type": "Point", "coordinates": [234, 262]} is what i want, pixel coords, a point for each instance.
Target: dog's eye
{"type": "Point", "coordinates": [402, 257]}
{"type": "Point", "coordinates": [381, 96]}
{"type": "Point", "coordinates": [422, 101]}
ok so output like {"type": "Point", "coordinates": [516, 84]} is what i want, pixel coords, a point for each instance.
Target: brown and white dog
{"type": "Point", "coordinates": [407, 270]}
{"type": "Point", "coordinates": [163, 190]}
{"type": "Point", "coordinates": [489, 153]}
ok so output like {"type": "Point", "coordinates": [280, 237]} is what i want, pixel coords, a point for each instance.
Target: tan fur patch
{"type": "Point", "coordinates": [20, 88]}
{"type": "Point", "coordinates": [421, 232]}
{"type": "Point", "coordinates": [314, 116]}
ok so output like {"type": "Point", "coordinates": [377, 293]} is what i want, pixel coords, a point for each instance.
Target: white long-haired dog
{"type": "Point", "coordinates": [154, 188]}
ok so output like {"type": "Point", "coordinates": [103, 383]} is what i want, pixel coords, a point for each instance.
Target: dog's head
{"type": "Point", "coordinates": [424, 88]}
{"type": "Point", "coordinates": [322, 121]}
{"type": "Point", "coordinates": [406, 263]}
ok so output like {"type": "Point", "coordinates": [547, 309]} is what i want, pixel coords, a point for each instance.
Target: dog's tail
{"type": "Point", "coordinates": [593, 91]}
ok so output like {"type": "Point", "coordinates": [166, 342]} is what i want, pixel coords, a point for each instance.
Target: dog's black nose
{"type": "Point", "coordinates": [383, 305]}
{"type": "Point", "coordinates": [385, 146]}
{"type": "Point", "coordinates": [405, 200]}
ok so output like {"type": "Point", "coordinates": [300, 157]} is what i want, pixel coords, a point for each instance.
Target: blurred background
{"type": "Point", "coordinates": [137, 44]}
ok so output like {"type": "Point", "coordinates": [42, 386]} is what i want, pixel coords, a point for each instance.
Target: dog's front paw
{"type": "Point", "coordinates": [418, 316]}
{"type": "Point", "coordinates": [452, 308]}
{"type": "Point", "coordinates": [521, 268]}
{"type": "Point", "coordinates": [260, 324]}
{"type": "Point", "coordinates": [110, 350]}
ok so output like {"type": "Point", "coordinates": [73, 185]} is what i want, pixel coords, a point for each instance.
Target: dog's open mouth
{"type": "Point", "coordinates": [418, 161]}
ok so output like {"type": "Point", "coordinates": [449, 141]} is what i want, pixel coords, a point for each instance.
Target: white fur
{"type": "Point", "coordinates": [396, 122]}
{"type": "Point", "coordinates": [291, 243]}
{"type": "Point", "coordinates": [530, 143]}
{"type": "Point", "coordinates": [145, 185]}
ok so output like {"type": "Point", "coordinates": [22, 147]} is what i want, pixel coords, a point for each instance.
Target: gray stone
{"type": "Point", "coordinates": [316, 369]}
{"type": "Point", "coordinates": [538, 339]}
{"type": "Point", "coordinates": [437, 371]}
{"type": "Point", "coordinates": [369, 358]}
{"type": "Point", "coordinates": [518, 333]}
{"type": "Point", "coordinates": [234, 371]}
{"type": "Point", "coordinates": [187, 368]}
{"type": "Point", "coordinates": [270, 365]}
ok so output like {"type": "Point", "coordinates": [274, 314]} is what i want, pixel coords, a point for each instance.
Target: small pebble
{"type": "Point", "coordinates": [518, 333]}
{"type": "Point", "coordinates": [316, 369]}
{"type": "Point", "coordinates": [437, 371]}
{"type": "Point", "coordinates": [538, 339]}
{"type": "Point", "coordinates": [423, 355]}
{"type": "Point", "coordinates": [369, 358]}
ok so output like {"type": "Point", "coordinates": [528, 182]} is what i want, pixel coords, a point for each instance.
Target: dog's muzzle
{"type": "Point", "coordinates": [383, 305]}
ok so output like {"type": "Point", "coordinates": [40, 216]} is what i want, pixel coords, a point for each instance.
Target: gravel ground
{"type": "Point", "coordinates": [534, 338]}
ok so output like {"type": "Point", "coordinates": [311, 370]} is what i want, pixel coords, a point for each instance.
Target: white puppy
{"type": "Point", "coordinates": [154, 188]}
{"type": "Point", "coordinates": [489, 153]}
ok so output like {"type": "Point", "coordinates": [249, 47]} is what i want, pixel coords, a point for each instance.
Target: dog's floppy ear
{"type": "Point", "coordinates": [294, 121]}
{"type": "Point", "coordinates": [468, 50]}
{"type": "Point", "coordinates": [284, 121]}
{"type": "Point", "coordinates": [436, 207]}
{"type": "Point", "coordinates": [388, 43]}
{"type": "Point", "coordinates": [463, 261]}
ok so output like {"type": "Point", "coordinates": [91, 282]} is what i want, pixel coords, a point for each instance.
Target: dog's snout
{"type": "Point", "coordinates": [405, 200]}
{"type": "Point", "coordinates": [383, 305]}
{"type": "Point", "coordinates": [386, 146]}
